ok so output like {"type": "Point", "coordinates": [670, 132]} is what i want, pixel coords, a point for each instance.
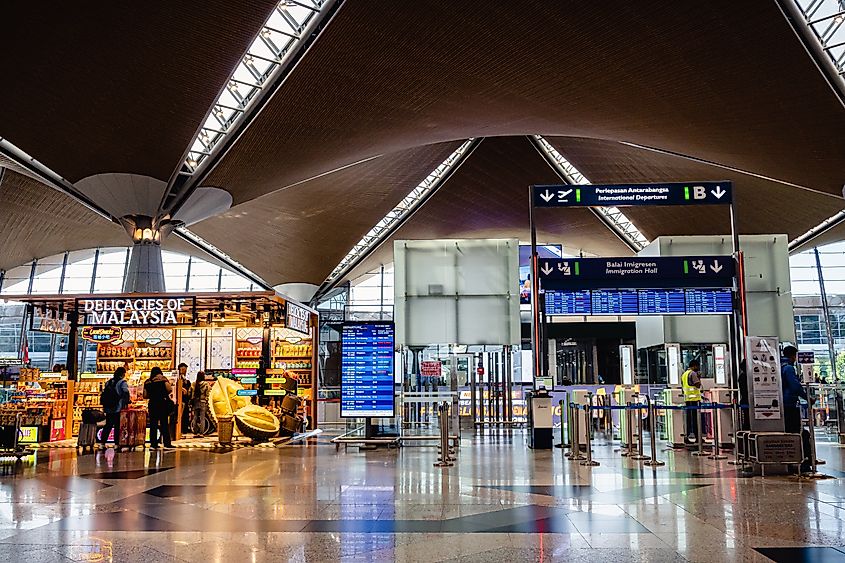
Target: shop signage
{"type": "Point", "coordinates": [150, 311]}
{"type": "Point", "coordinates": [8, 362]}
{"type": "Point", "coordinates": [430, 368]}
{"type": "Point", "coordinates": [244, 371]}
{"type": "Point", "coordinates": [247, 392]}
{"type": "Point", "coordinates": [297, 318]}
{"type": "Point", "coordinates": [101, 334]}
{"type": "Point", "coordinates": [637, 272]}
{"type": "Point", "coordinates": [622, 195]}
{"type": "Point", "coordinates": [28, 435]}
{"type": "Point", "coordinates": [49, 321]}
{"type": "Point", "coordinates": [275, 392]}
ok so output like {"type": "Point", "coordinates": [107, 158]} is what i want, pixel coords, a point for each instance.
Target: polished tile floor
{"type": "Point", "coordinates": [500, 502]}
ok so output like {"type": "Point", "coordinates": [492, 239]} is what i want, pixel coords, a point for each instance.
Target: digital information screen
{"type": "Point", "coordinates": [568, 302]}
{"type": "Point", "coordinates": [709, 301]}
{"type": "Point", "coordinates": [638, 302]}
{"type": "Point", "coordinates": [366, 370]}
{"type": "Point", "coordinates": [614, 302]}
{"type": "Point", "coordinates": [661, 301]}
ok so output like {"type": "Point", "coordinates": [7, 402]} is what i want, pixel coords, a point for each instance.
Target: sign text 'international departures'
{"type": "Point", "coordinates": [637, 272]}
{"type": "Point", "coordinates": [623, 195]}
{"type": "Point", "coordinates": [142, 311]}
{"type": "Point", "coordinates": [297, 318]}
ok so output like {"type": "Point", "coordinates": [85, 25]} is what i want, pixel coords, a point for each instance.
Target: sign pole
{"type": "Point", "coordinates": [738, 313]}
{"type": "Point", "coordinates": [535, 294]}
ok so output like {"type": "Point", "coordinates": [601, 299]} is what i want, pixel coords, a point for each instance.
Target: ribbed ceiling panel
{"type": "Point", "coordinates": [487, 197]}
{"type": "Point", "coordinates": [301, 233]}
{"type": "Point", "coordinates": [725, 81]}
{"type": "Point", "coordinates": [118, 86]}
{"type": "Point", "coordinates": [38, 221]}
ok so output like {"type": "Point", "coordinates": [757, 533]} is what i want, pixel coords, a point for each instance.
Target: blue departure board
{"type": "Point", "coordinates": [366, 370]}
{"type": "Point", "coordinates": [661, 301]}
{"type": "Point", "coordinates": [568, 302]}
{"type": "Point", "coordinates": [708, 301]}
{"type": "Point", "coordinates": [614, 302]}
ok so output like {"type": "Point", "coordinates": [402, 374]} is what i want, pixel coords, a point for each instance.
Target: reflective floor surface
{"type": "Point", "coordinates": [500, 502]}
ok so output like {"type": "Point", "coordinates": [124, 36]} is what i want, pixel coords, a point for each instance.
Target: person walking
{"type": "Point", "coordinates": [157, 389]}
{"type": "Point", "coordinates": [691, 383]}
{"type": "Point", "coordinates": [184, 411]}
{"type": "Point", "coordinates": [200, 403]}
{"type": "Point", "coordinates": [114, 398]}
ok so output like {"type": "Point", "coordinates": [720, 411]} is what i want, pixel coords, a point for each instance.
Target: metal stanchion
{"type": "Point", "coordinates": [716, 454]}
{"type": "Point", "coordinates": [588, 417]}
{"type": "Point", "coordinates": [562, 417]}
{"type": "Point", "coordinates": [569, 433]}
{"type": "Point", "coordinates": [737, 418]}
{"type": "Point", "coordinates": [629, 434]}
{"type": "Point", "coordinates": [811, 412]}
{"type": "Point", "coordinates": [444, 460]}
{"type": "Point", "coordinates": [700, 451]}
{"type": "Point", "coordinates": [652, 438]}
{"type": "Point", "coordinates": [575, 454]}
{"type": "Point", "coordinates": [639, 456]}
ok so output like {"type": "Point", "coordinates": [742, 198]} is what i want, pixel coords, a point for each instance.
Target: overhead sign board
{"type": "Point", "coordinates": [637, 272]}
{"type": "Point", "coordinates": [297, 318]}
{"type": "Point", "coordinates": [47, 320]}
{"type": "Point", "coordinates": [9, 362]}
{"type": "Point", "coordinates": [623, 195]}
{"type": "Point", "coordinates": [367, 370]}
{"type": "Point", "coordinates": [142, 311]}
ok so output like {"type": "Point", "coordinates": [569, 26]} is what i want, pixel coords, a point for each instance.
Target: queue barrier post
{"type": "Point", "coordinates": [629, 433]}
{"type": "Point", "coordinates": [443, 412]}
{"type": "Point", "coordinates": [588, 417]}
{"type": "Point", "coordinates": [639, 456]}
{"type": "Point", "coordinates": [562, 417]}
{"type": "Point", "coordinates": [570, 422]}
{"type": "Point", "coordinates": [576, 452]}
{"type": "Point", "coordinates": [652, 412]}
{"type": "Point", "coordinates": [737, 418]}
{"type": "Point", "coordinates": [716, 454]}
{"type": "Point", "coordinates": [700, 452]}
{"type": "Point", "coordinates": [814, 464]}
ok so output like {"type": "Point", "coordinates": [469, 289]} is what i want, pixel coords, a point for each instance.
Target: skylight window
{"type": "Point", "coordinates": [826, 18]}
{"type": "Point", "coordinates": [612, 215]}
{"type": "Point", "coordinates": [282, 31]}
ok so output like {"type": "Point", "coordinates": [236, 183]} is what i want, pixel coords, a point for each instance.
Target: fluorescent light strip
{"type": "Point", "coordinates": [828, 223]}
{"type": "Point", "coordinates": [375, 236]}
{"type": "Point", "coordinates": [275, 41]}
{"type": "Point", "coordinates": [614, 215]}
{"type": "Point", "coordinates": [826, 19]}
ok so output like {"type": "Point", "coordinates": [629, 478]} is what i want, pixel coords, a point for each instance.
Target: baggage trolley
{"type": "Point", "coordinates": [11, 446]}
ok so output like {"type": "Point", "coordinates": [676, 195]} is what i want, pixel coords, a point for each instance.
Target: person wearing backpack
{"type": "Point", "coordinates": [161, 407]}
{"type": "Point", "coordinates": [114, 398]}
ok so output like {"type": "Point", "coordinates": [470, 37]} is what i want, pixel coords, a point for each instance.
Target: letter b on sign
{"type": "Point", "coordinates": [699, 192]}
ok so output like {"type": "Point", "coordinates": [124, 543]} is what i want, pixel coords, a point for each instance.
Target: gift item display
{"type": "Point", "coordinates": [42, 401]}
{"type": "Point", "coordinates": [86, 396]}
{"type": "Point", "coordinates": [139, 350]}
{"type": "Point", "coordinates": [291, 358]}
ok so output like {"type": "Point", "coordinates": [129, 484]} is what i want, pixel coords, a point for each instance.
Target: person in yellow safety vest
{"type": "Point", "coordinates": [691, 383]}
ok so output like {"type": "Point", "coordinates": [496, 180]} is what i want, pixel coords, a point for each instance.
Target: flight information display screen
{"type": "Point", "coordinates": [661, 301]}
{"type": "Point", "coordinates": [614, 302]}
{"type": "Point", "coordinates": [367, 370]}
{"type": "Point", "coordinates": [708, 301]}
{"type": "Point", "coordinates": [638, 302]}
{"type": "Point", "coordinates": [568, 302]}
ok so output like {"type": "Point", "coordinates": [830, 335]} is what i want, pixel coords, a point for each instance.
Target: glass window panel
{"type": "Point", "coordinates": [203, 283]}
{"type": "Point", "coordinates": [80, 267]}
{"type": "Point", "coordinates": [233, 282]}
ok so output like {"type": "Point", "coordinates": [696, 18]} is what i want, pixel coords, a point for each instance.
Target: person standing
{"type": "Point", "coordinates": [184, 418]}
{"type": "Point", "coordinates": [792, 392]}
{"type": "Point", "coordinates": [114, 398]}
{"type": "Point", "coordinates": [691, 383]}
{"type": "Point", "coordinates": [157, 389]}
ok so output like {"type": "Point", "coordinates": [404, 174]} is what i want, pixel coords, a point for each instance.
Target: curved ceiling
{"type": "Point", "coordinates": [300, 233]}
{"type": "Point", "coordinates": [388, 89]}
{"type": "Point", "coordinates": [119, 86]}
{"type": "Point", "coordinates": [487, 197]}
{"type": "Point", "coordinates": [725, 81]}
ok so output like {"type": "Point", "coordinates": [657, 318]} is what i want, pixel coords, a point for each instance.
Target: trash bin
{"type": "Point", "coordinates": [225, 428]}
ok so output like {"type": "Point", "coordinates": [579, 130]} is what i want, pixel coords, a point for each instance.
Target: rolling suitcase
{"type": "Point", "coordinates": [87, 436]}
{"type": "Point", "coordinates": [133, 429]}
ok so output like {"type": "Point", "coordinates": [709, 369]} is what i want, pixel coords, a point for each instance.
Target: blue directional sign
{"type": "Point", "coordinates": [636, 272]}
{"type": "Point", "coordinates": [366, 370]}
{"type": "Point", "coordinates": [623, 195]}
